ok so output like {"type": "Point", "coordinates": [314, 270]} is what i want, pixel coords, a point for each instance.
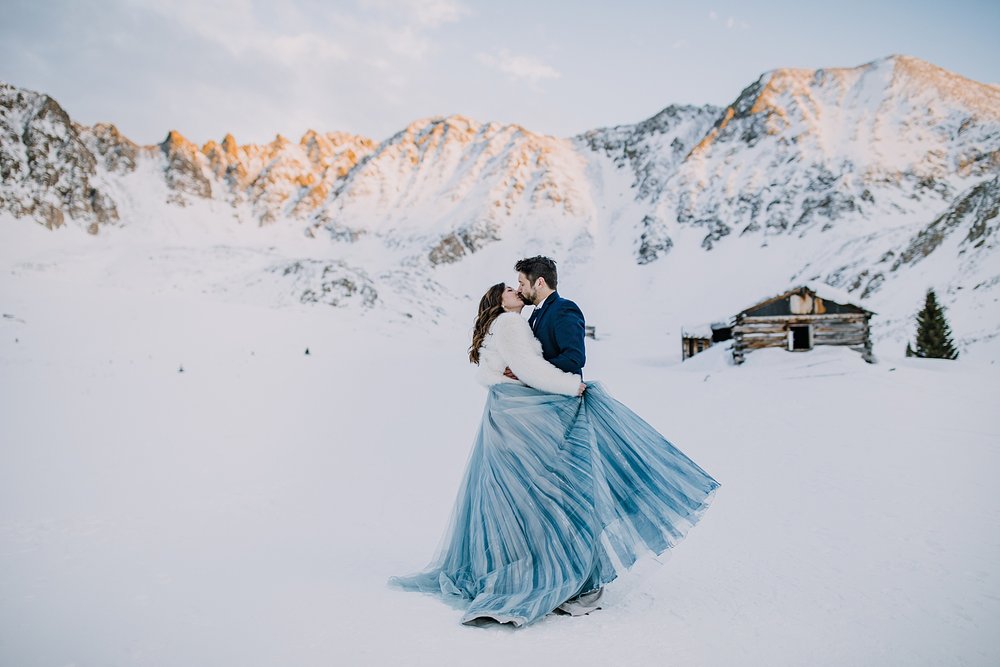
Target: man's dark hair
{"type": "Point", "coordinates": [538, 267]}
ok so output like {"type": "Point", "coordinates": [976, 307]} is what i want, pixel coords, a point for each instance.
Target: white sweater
{"type": "Point", "coordinates": [510, 343]}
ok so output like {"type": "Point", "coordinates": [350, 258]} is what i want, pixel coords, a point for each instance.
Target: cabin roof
{"type": "Point", "coordinates": [703, 330]}
{"type": "Point", "coordinates": [822, 290]}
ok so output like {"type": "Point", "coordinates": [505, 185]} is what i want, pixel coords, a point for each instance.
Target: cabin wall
{"type": "Point", "coordinates": [691, 346]}
{"type": "Point", "coordinates": [757, 332]}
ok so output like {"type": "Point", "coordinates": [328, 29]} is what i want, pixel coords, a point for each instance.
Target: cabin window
{"type": "Point", "coordinates": [799, 337]}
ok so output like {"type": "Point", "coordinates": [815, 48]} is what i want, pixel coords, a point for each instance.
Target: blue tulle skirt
{"type": "Point", "coordinates": [560, 495]}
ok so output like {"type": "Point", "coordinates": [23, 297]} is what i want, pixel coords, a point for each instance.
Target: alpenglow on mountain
{"type": "Point", "coordinates": [882, 180]}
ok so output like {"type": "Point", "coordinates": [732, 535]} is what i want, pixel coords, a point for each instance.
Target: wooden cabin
{"type": "Point", "coordinates": [695, 339]}
{"type": "Point", "coordinates": [801, 319]}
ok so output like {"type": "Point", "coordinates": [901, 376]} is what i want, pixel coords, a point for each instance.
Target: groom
{"type": "Point", "coordinates": [557, 322]}
{"type": "Point", "coordinates": [559, 326]}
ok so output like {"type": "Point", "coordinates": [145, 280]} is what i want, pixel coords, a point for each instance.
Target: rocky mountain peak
{"type": "Point", "coordinates": [119, 154]}
{"type": "Point", "coordinates": [175, 142]}
{"type": "Point", "coordinates": [913, 75]}
{"type": "Point", "coordinates": [279, 143]}
{"type": "Point", "coordinates": [441, 124]}
{"type": "Point", "coordinates": [183, 168]}
{"type": "Point", "coordinates": [340, 150]}
{"type": "Point", "coordinates": [48, 172]}
{"type": "Point", "coordinates": [229, 145]}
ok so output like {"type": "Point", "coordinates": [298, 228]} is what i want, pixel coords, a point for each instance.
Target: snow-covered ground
{"type": "Point", "coordinates": [248, 510]}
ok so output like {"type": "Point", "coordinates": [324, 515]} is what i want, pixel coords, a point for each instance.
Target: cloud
{"type": "Point", "coordinates": [426, 13]}
{"type": "Point", "coordinates": [732, 22]}
{"type": "Point", "coordinates": [250, 67]}
{"type": "Point", "coordinates": [244, 28]}
{"type": "Point", "coordinates": [313, 35]}
{"type": "Point", "coordinates": [519, 67]}
{"type": "Point", "coordinates": [291, 49]}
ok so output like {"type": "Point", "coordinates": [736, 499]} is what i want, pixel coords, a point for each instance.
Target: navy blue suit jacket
{"type": "Point", "coordinates": [558, 324]}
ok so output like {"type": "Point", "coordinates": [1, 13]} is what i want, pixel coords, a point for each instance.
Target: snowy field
{"type": "Point", "coordinates": [248, 510]}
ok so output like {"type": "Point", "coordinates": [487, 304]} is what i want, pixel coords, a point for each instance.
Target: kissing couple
{"type": "Point", "coordinates": [565, 487]}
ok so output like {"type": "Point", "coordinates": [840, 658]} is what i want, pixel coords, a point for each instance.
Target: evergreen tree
{"type": "Point", "coordinates": [933, 333]}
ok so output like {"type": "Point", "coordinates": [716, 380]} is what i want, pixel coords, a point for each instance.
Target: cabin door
{"type": "Point", "coordinates": [800, 337]}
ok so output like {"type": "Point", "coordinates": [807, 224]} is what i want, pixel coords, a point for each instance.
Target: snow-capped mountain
{"type": "Point", "coordinates": [652, 150]}
{"type": "Point", "coordinates": [880, 179]}
{"type": "Point", "coordinates": [453, 185]}
{"type": "Point", "coordinates": [801, 149]}
{"type": "Point", "coordinates": [54, 168]}
{"type": "Point", "coordinates": [278, 180]}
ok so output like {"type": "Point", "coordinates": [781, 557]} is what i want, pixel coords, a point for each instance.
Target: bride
{"type": "Point", "coordinates": [564, 489]}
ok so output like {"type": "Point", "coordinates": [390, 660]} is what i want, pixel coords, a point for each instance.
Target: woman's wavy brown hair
{"type": "Point", "coordinates": [490, 307]}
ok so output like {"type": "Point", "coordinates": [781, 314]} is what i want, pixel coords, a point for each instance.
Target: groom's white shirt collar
{"type": "Point", "coordinates": [543, 301]}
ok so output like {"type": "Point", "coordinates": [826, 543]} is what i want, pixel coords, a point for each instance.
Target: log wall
{"type": "Point", "coordinates": [757, 332]}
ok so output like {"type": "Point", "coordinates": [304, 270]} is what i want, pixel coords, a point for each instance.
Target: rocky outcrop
{"type": "Point", "coordinates": [47, 171]}
{"type": "Point", "coordinates": [975, 210]}
{"type": "Point", "coordinates": [463, 241]}
{"type": "Point", "coordinates": [332, 283]}
{"type": "Point", "coordinates": [654, 242]}
{"type": "Point", "coordinates": [110, 147]}
{"type": "Point", "coordinates": [184, 168]}
{"type": "Point", "coordinates": [653, 148]}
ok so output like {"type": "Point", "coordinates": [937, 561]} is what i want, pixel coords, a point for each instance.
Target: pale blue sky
{"type": "Point", "coordinates": [373, 66]}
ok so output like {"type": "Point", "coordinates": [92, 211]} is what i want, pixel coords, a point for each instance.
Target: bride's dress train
{"type": "Point", "coordinates": [560, 495]}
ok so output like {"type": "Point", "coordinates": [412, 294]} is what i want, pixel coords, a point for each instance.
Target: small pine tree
{"type": "Point", "coordinates": [933, 333]}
